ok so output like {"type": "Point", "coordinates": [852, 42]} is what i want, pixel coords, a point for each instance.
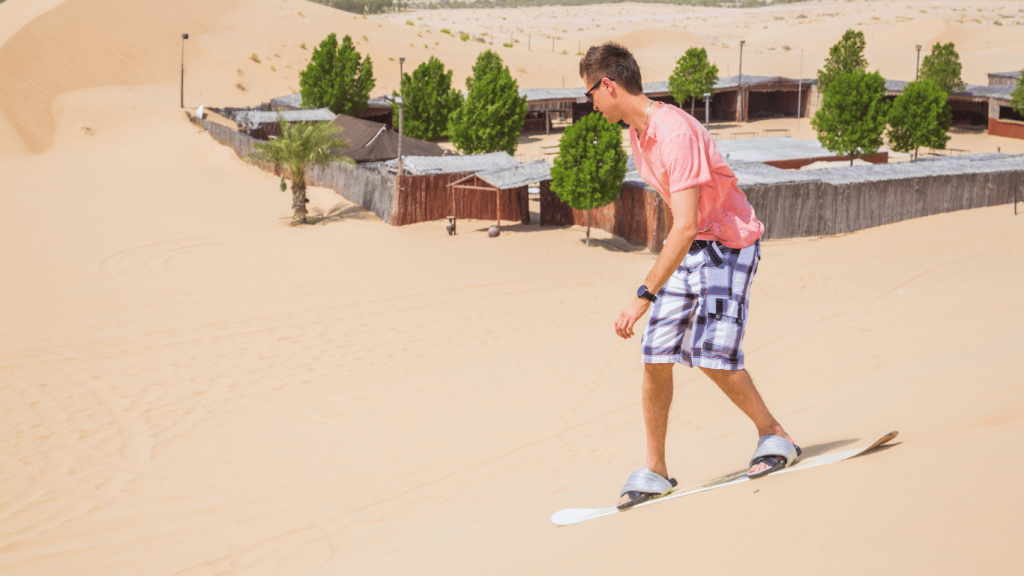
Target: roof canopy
{"type": "Point", "coordinates": [250, 119]}
{"type": "Point", "coordinates": [373, 142]}
{"type": "Point", "coordinates": [418, 165]}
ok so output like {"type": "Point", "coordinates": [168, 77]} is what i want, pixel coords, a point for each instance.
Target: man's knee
{"type": "Point", "coordinates": [716, 373]}
{"type": "Point", "coordinates": [658, 370]}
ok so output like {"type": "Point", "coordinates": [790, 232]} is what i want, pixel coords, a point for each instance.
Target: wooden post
{"type": "Point", "coordinates": [529, 42]}
{"type": "Point", "coordinates": [497, 196]}
{"type": "Point", "coordinates": [552, 44]}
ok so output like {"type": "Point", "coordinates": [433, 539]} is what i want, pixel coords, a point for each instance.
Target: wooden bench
{"type": "Point", "coordinates": [783, 131]}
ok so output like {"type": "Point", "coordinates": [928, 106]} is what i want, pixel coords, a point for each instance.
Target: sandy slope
{"type": "Point", "coordinates": [190, 386]}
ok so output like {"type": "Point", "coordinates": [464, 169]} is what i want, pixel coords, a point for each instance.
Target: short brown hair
{"type": "Point", "coordinates": [613, 61]}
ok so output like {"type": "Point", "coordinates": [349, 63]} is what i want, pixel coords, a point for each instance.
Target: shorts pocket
{"type": "Point", "coordinates": [724, 330]}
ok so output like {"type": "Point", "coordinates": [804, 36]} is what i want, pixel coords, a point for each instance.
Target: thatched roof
{"type": "Point", "coordinates": [251, 119]}
{"type": "Point", "coordinates": [419, 165]}
{"type": "Point", "coordinates": [518, 176]}
{"type": "Point", "coordinates": [750, 174]}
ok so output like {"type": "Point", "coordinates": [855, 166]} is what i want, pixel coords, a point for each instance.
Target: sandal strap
{"type": "Point", "coordinates": [771, 445]}
{"type": "Point", "coordinates": [644, 480]}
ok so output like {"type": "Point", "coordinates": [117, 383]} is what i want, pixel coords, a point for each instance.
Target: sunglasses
{"type": "Point", "coordinates": [594, 87]}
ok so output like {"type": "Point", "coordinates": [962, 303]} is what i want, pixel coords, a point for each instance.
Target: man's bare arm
{"type": "Point", "coordinates": [680, 237]}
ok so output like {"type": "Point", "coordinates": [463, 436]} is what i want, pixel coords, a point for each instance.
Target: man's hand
{"type": "Point", "coordinates": [628, 317]}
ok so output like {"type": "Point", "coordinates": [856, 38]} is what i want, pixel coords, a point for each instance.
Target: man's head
{"type": "Point", "coordinates": [609, 71]}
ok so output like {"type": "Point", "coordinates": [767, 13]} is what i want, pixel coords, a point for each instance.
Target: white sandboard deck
{"type": "Point", "coordinates": [577, 515]}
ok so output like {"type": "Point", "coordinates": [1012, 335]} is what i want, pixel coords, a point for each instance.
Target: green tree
{"type": "Point", "coordinates": [590, 165]}
{"type": "Point", "coordinates": [337, 77]}
{"type": "Point", "coordinates": [491, 118]}
{"type": "Point", "coordinates": [429, 100]}
{"type": "Point", "coordinates": [845, 56]}
{"type": "Point", "coordinates": [693, 77]}
{"type": "Point", "coordinates": [296, 150]}
{"type": "Point", "coordinates": [1017, 96]}
{"type": "Point", "coordinates": [852, 117]}
{"type": "Point", "coordinates": [943, 67]}
{"type": "Point", "coordinates": [920, 117]}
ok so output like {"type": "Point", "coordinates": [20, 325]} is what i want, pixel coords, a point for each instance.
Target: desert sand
{"type": "Point", "coordinates": [190, 386]}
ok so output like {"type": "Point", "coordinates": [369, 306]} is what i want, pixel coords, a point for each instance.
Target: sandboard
{"type": "Point", "coordinates": [577, 515]}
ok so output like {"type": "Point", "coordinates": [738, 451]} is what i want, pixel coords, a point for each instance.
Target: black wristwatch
{"type": "Point", "coordinates": [642, 292]}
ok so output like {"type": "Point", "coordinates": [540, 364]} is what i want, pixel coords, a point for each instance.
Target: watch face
{"type": "Point", "coordinates": [641, 291]}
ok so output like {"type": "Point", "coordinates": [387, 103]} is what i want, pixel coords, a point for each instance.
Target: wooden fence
{"type": "Point", "coordinates": [373, 190]}
{"type": "Point", "coordinates": [639, 215]}
{"type": "Point", "coordinates": [799, 209]}
{"type": "Point", "coordinates": [429, 197]}
{"type": "Point", "coordinates": [816, 208]}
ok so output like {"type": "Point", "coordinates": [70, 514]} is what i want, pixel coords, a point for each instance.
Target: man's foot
{"type": "Point", "coordinates": [762, 466]}
{"type": "Point", "coordinates": [644, 485]}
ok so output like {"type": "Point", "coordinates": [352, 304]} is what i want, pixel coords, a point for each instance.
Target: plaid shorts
{"type": "Point", "coordinates": [701, 312]}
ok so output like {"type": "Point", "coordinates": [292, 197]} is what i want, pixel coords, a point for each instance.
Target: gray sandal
{"type": "Point", "coordinates": [776, 452]}
{"type": "Point", "coordinates": [644, 485]}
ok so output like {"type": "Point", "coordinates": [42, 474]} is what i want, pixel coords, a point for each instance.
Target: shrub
{"type": "Point", "coordinates": [254, 58]}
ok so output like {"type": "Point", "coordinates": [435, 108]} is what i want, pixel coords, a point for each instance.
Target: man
{"type": "Point", "coordinates": [700, 284]}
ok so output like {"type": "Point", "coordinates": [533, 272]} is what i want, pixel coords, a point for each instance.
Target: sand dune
{"type": "Point", "coordinates": [189, 386]}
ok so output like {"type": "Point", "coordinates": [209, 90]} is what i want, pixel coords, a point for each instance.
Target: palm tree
{"type": "Point", "coordinates": [298, 148]}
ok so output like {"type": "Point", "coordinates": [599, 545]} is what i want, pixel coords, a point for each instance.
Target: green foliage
{"type": "Point", "coordinates": [507, 44]}
{"type": "Point", "coordinates": [296, 149]}
{"type": "Point", "coordinates": [852, 117]}
{"type": "Point", "coordinates": [337, 77]}
{"type": "Point", "coordinates": [845, 56]}
{"type": "Point", "coordinates": [590, 165]}
{"type": "Point", "coordinates": [362, 6]}
{"type": "Point", "coordinates": [429, 100]}
{"type": "Point", "coordinates": [1017, 96]}
{"type": "Point", "coordinates": [255, 58]}
{"type": "Point", "coordinates": [943, 67]}
{"type": "Point", "coordinates": [410, 23]}
{"type": "Point", "coordinates": [446, 31]}
{"type": "Point", "coordinates": [693, 77]}
{"type": "Point", "coordinates": [920, 117]}
{"type": "Point", "coordinates": [492, 117]}
{"type": "Point", "coordinates": [463, 36]}
{"type": "Point", "coordinates": [480, 4]}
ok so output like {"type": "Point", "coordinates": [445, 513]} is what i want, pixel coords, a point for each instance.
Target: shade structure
{"type": "Point", "coordinates": [373, 142]}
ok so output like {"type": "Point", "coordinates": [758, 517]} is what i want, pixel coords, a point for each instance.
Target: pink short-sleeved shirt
{"type": "Point", "coordinates": [676, 153]}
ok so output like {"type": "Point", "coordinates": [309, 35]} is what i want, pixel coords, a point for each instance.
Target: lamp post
{"type": "Point", "coordinates": [401, 105]}
{"type": "Point", "coordinates": [800, 93]}
{"type": "Point", "coordinates": [739, 90]}
{"type": "Point", "coordinates": [183, 38]}
{"type": "Point", "coordinates": [707, 108]}
{"type": "Point", "coordinates": [918, 70]}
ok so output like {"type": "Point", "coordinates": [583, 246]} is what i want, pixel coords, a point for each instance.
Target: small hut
{"type": "Point", "coordinates": [515, 179]}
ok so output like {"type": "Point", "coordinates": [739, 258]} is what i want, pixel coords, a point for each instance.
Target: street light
{"type": "Point", "coordinates": [707, 108]}
{"type": "Point", "coordinates": [401, 102]}
{"type": "Point", "coordinates": [739, 90]}
{"type": "Point", "coordinates": [183, 38]}
{"type": "Point", "coordinates": [918, 71]}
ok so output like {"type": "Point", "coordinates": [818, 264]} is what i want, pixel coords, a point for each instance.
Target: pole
{"type": "Point", "coordinates": [529, 42]}
{"type": "Point", "coordinates": [707, 109]}
{"type": "Point", "coordinates": [800, 93]}
{"type": "Point", "coordinates": [183, 38]}
{"type": "Point", "coordinates": [917, 71]}
{"type": "Point", "coordinates": [401, 108]}
{"type": "Point", "coordinates": [552, 44]}
{"type": "Point", "coordinates": [739, 90]}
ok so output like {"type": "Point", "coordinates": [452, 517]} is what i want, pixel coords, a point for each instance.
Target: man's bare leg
{"type": "Point", "coordinates": [657, 399]}
{"type": "Point", "coordinates": [739, 387]}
